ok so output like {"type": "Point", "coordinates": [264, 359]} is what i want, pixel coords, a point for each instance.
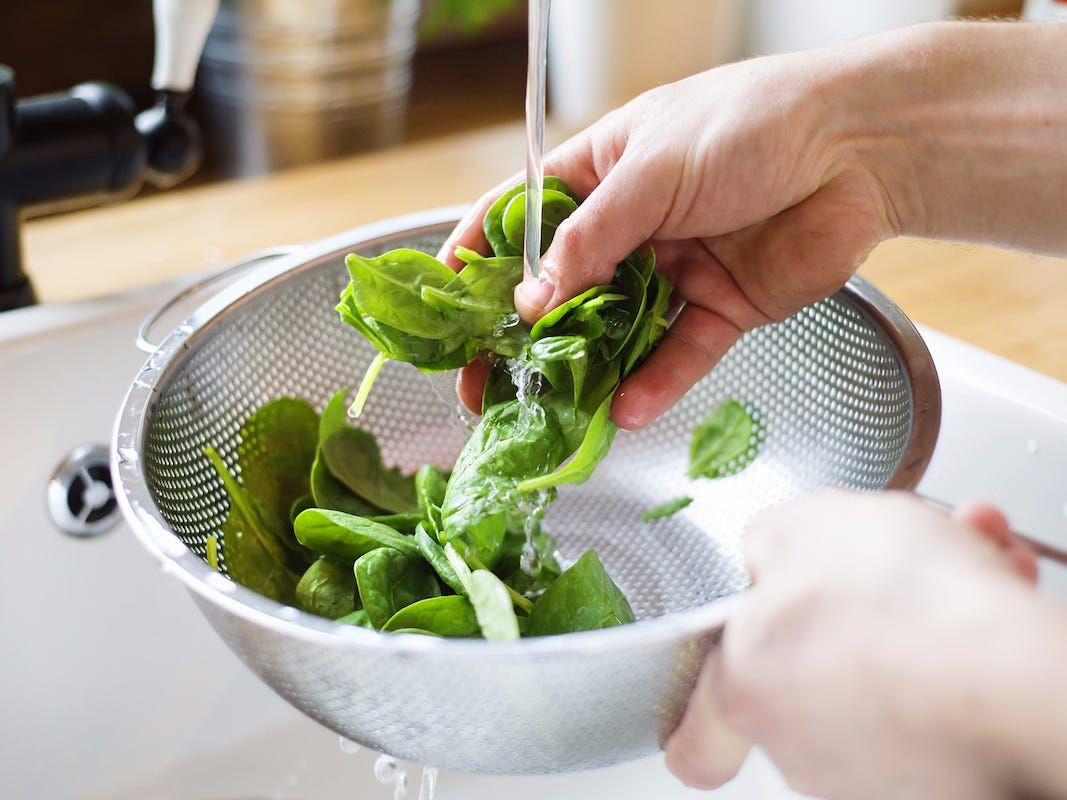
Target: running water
{"type": "Point", "coordinates": [535, 132]}
{"type": "Point", "coordinates": [387, 771]}
{"type": "Point", "coordinates": [428, 784]}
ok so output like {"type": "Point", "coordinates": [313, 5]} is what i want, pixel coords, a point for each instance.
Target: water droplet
{"type": "Point", "coordinates": [428, 784]}
{"type": "Point", "coordinates": [385, 769]}
{"type": "Point", "coordinates": [348, 746]}
{"type": "Point", "coordinates": [128, 454]}
{"type": "Point", "coordinates": [401, 789]}
{"type": "Point", "coordinates": [1031, 447]}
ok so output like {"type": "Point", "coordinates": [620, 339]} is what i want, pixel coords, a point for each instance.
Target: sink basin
{"type": "Point", "coordinates": [115, 687]}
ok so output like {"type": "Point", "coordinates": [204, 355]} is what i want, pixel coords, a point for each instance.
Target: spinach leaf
{"type": "Point", "coordinates": [275, 455]}
{"type": "Point", "coordinates": [723, 443]}
{"type": "Point", "coordinates": [328, 589]}
{"type": "Point", "coordinates": [388, 581]}
{"type": "Point", "coordinates": [428, 354]}
{"type": "Point", "coordinates": [452, 615]}
{"type": "Point", "coordinates": [583, 598]}
{"type": "Point", "coordinates": [430, 485]}
{"type": "Point", "coordinates": [253, 545]}
{"type": "Point", "coordinates": [555, 207]}
{"type": "Point", "coordinates": [553, 318]}
{"type": "Point", "coordinates": [492, 606]}
{"type": "Point", "coordinates": [328, 492]}
{"type": "Point", "coordinates": [389, 288]}
{"type": "Point", "coordinates": [509, 446]}
{"type": "Point", "coordinates": [466, 255]}
{"type": "Point", "coordinates": [435, 556]}
{"type": "Point", "coordinates": [404, 523]}
{"type": "Point", "coordinates": [595, 445]}
{"type": "Point", "coordinates": [493, 223]}
{"type": "Point", "coordinates": [352, 456]}
{"type": "Point", "coordinates": [563, 360]}
{"type": "Point", "coordinates": [346, 537]}
{"type": "Point", "coordinates": [357, 617]}
{"type": "Point", "coordinates": [667, 509]}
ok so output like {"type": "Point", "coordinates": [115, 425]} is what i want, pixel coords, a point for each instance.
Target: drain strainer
{"type": "Point", "coordinates": [81, 500]}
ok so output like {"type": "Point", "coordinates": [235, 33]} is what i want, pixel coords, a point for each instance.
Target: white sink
{"type": "Point", "coordinates": [113, 686]}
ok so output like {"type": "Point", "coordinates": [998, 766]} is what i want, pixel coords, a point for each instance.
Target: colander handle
{"type": "Point", "coordinates": [197, 287]}
{"type": "Point", "coordinates": [1041, 549]}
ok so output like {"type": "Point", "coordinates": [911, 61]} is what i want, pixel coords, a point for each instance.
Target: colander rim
{"type": "Point", "coordinates": [149, 526]}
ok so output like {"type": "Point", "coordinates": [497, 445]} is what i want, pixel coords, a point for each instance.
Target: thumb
{"type": "Point", "coordinates": [619, 216]}
{"type": "Point", "coordinates": [704, 752]}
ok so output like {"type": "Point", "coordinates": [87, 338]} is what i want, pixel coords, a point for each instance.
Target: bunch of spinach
{"type": "Point", "coordinates": [322, 521]}
{"type": "Point", "coordinates": [362, 544]}
{"type": "Point", "coordinates": [547, 400]}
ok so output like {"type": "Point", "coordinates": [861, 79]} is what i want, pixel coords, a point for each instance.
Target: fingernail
{"type": "Point", "coordinates": [533, 295]}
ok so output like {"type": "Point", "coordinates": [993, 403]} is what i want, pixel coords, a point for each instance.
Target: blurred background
{"type": "Point", "coordinates": [290, 82]}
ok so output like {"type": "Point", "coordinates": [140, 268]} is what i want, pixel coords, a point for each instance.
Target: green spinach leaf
{"type": "Point", "coordinates": [492, 606]}
{"type": "Point", "coordinates": [509, 446]}
{"type": "Point", "coordinates": [389, 580]}
{"type": "Point", "coordinates": [358, 618]}
{"type": "Point", "coordinates": [346, 537]}
{"type": "Point", "coordinates": [595, 445]}
{"type": "Point", "coordinates": [583, 598]}
{"type": "Point", "coordinates": [435, 556]}
{"type": "Point", "coordinates": [328, 589]}
{"type": "Point", "coordinates": [253, 545]}
{"type": "Point", "coordinates": [430, 485]}
{"type": "Point", "coordinates": [353, 458]}
{"type": "Point", "coordinates": [451, 615]}
{"type": "Point", "coordinates": [276, 451]}
{"type": "Point", "coordinates": [555, 207]}
{"type": "Point", "coordinates": [389, 288]}
{"type": "Point", "coordinates": [723, 443]}
{"type": "Point", "coordinates": [667, 509]}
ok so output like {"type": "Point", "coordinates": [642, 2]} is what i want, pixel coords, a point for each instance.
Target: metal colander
{"type": "Point", "coordinates": [849, 398]}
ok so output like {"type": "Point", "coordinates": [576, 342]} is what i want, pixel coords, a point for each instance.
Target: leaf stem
{"type": "Point", "coordinates": [365, 386]}
{"type": "Point", "coordinates": [522, 602]}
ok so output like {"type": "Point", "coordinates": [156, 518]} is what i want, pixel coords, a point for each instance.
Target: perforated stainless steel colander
{"type": "Point", "coordinates": [846, 389]}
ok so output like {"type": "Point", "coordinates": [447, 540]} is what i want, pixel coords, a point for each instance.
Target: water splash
{"type": "Point", "coordinates": [385, 769]}
{"type": "Point", "coordinates": [505, 323]}
{"type": "Point", "coordinates": [428, 784]}
{"type": "Point", "coordinates": [532, 506]}
{"type": "Point", "coordinates": [527, 382]}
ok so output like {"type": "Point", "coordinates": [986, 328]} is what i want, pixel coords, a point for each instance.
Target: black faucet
{"type": "Point", "coordinates": [88, 145]}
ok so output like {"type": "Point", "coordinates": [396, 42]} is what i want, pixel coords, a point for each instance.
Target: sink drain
{"type": "Point", "coordinates": [81, 500]}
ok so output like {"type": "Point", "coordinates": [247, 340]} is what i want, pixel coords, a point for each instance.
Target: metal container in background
{"type": "Point", "coordinates": [288, 82]}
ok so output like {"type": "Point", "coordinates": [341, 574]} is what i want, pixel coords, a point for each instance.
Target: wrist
{"type": "Point", "coordinates": [964, 127]}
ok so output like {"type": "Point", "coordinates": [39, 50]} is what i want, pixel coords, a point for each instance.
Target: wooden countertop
{"type": "Point", "coordinates": [1010, 303]}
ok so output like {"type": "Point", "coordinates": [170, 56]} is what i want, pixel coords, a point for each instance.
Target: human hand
{"type": "Point", "coordinates": [885, 651]}
{"type": "Point", "coordinates": [738, 178]}
{"type": "Point", "coordinates": [763, 184]}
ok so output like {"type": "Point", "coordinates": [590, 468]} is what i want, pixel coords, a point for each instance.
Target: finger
{"type": "Point", "coordinates": [621, 214]}
{"type": "Point", "coordinates": [990, 523]}
{"type": "Point", "coordinates": [704, 752]}
{"type": "Point", "coordinates": [691, 347]}
{"type": "Point", "coordinates": [470, 383]}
